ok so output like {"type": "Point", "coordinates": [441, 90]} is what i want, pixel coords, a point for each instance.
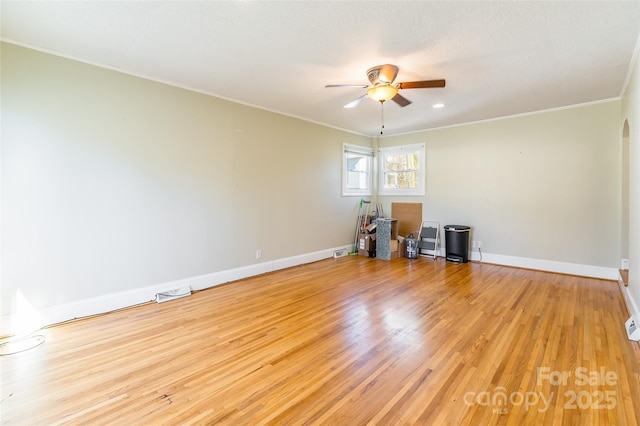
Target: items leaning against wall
{"type": "Point", "coordinates": [389, 238]}
{"type": "Point", "coordinates": [378, 237]}
{"type": "Point", "coordinates": [367, 233]}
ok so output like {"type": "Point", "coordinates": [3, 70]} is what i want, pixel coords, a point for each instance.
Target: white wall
{"type": "Point", "coordinates": [542, 186]}
{"type": "Point", "coordinates": [631, 113]}
{"type": "Point", "coordinates": [112, 183]}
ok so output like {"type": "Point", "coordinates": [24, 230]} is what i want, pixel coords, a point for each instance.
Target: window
{"type": "Point", "coordinates": [357, 170]}
{"type": "Point", "coordinates": [402, 170]}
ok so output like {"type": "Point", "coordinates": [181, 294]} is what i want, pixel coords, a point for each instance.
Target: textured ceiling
{"type": "Point", "coordinates": [498, 58]}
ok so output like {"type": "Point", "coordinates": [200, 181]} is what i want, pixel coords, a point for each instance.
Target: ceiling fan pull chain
{"type": "Point", "coordinates": [381, 117]}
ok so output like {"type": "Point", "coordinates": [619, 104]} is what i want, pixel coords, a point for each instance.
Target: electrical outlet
{"type": "Point", "coordinates": [258, 254]}
{"type": "Point", "coordinates": [473, 243]}
{"type": "Point", "coordinates": [479, 244]}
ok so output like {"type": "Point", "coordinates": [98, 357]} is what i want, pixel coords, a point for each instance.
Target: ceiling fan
{"type": "Point", "coordinates": [382, 88]}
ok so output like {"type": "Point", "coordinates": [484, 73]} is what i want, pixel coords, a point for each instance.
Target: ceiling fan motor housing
{"type": "Point", "coordinates": [384, 74]}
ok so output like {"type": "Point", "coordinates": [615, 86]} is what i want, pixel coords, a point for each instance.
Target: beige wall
{"type": "Point", "coordinates": [112, 182]}
{"type": "Point", "coordinates": [631, 113]}
{"type": "Point", "coordinates": [542, 186]}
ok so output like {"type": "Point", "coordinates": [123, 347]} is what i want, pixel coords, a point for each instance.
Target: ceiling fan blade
{"type": "Point", "coordinates": [356, 102]}
{"type": "Point", "coordinates": [401, 100]}
{"type": "Point", "coordinates": [426, 84]}
{"type": "Point", "coordinates": [360, 86]}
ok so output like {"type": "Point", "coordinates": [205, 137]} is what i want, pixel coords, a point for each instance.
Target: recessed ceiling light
{"type": "Point", "coordinates": [438, 105]}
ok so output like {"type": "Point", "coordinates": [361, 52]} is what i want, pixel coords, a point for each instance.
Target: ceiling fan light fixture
{"type": "Point", "coordinates": [382, 92]}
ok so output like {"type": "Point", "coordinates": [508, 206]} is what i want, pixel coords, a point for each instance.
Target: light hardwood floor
{"type": "Point", "coordinates": [344, 341]}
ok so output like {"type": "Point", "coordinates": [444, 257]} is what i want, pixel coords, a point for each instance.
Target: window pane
{"type": "Point", "coordinates": [357, 162]}
{"type": "Point", "coordinates": [402, 170]}
{"type": "Point", "coordinates": [402, 180]}
{"type": "Point", "coordinates": [357, 172]}
{"type": "Point", "coordinates": [357, 180]}
{"type": "Point", "coordinates": [402, 162]}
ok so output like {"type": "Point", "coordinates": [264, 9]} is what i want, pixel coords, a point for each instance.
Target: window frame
{"type": "Point", "coordinates": [384, 152]}
{"type": "Point", "coordinates": [357, 149]}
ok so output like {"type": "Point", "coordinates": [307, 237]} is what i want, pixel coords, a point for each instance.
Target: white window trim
{"type": "Point", "coordinates": [358, 149]}
{"type": "Point", "coordinates": [402, 149]}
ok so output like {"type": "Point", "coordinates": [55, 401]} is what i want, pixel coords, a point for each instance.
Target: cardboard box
{"type": "Point", "coordinates": [395, 249]}
{"type": "Point", "coordinates": [366, 244]}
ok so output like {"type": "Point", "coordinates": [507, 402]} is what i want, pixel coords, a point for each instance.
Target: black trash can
{"type": "Point", "coordinates": [457, 243]}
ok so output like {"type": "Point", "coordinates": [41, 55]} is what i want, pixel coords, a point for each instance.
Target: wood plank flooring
{"type": "Point", "coordinates": [349, 341]}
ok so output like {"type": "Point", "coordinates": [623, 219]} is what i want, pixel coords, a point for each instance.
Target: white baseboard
{"type": "Point", "coordinates": [632, 306]}
{"type": "Point", "coordinates": [110, 302]}
{"type": "Point", "coordinates": [591, 271]}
